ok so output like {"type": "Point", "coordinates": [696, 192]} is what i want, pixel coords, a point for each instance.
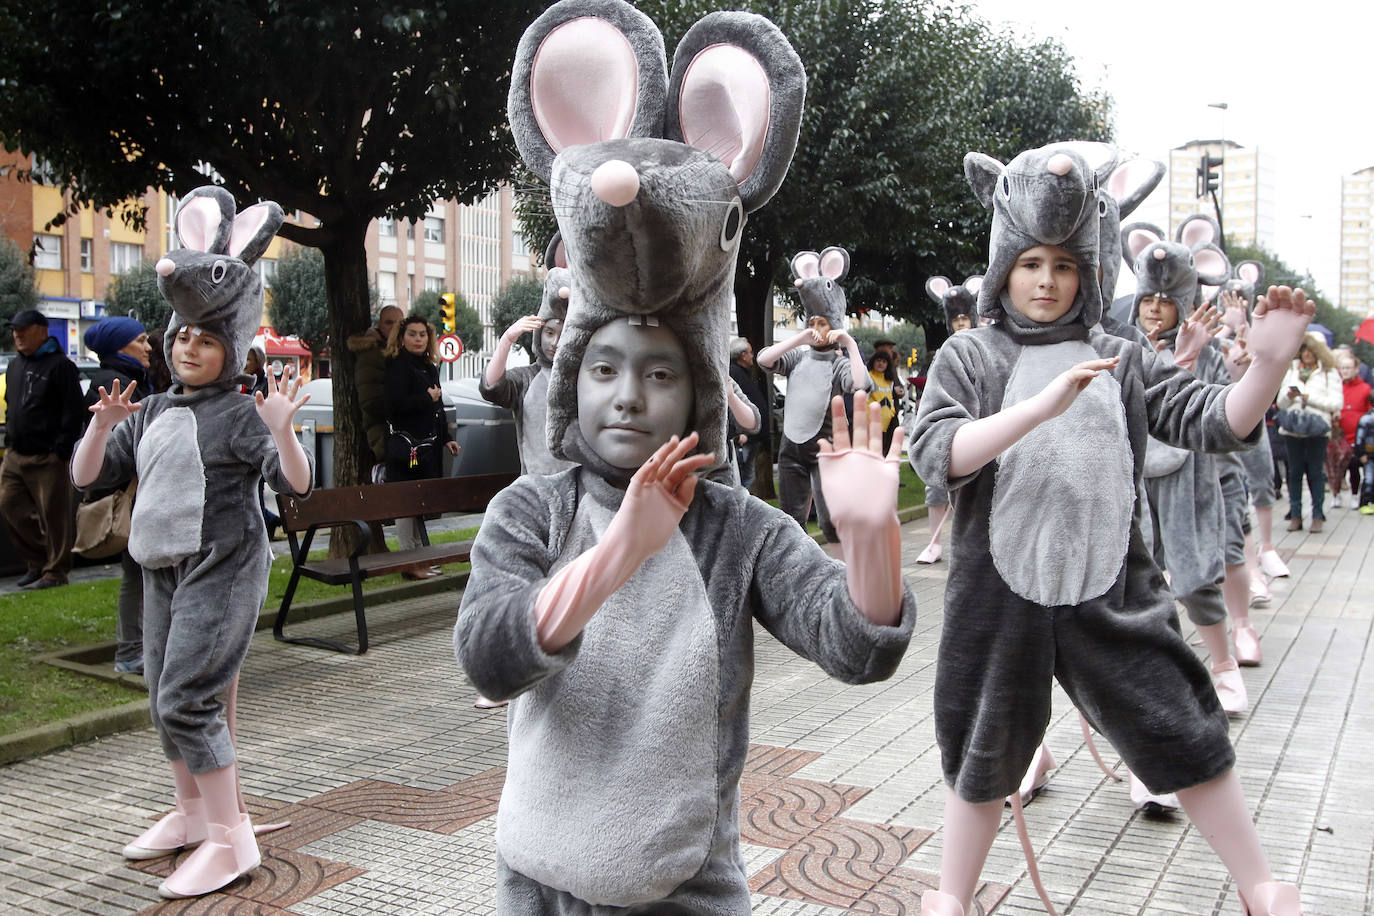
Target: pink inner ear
{"type": "Point", "coordinates": [938, 285]}
{"type": "Point", "coordinates": [1248, 272]}
{"type": "Point", "coordinates": [1197, 232]}
{"type": "Point", "coordinates": [832, 264]}
{"type": "Point", "coordinates": [584, 84]}
{"type": "Point", "coordinates": [1126, 177]}
{"type": "Point", "coordinates": [197, 222]}
{"type": "Point", "coordinates": [1207, 293]}
{"type": "Point", "coordinates": [246, 226]}
{"type": "Point", "coordinates": [1209, 262]}
{"type": "Point", "coordinates": [807, 265]}
{"type": "Point", "coordinates": [973, 284]}
{"type": "Point", "coordinates": [723, 107]}
{"type": "Point", "coordinates": [560, 255]}
{"type": "Point", "coordinates": [1139, 240]}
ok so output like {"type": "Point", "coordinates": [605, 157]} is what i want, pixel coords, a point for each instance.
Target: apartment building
{"type": "Point", "coordinates": [474, 250]}
{"type": "Point", "coordinates": [1246, 190]}
{"type": "Point", "coordinates": [1357, 242]}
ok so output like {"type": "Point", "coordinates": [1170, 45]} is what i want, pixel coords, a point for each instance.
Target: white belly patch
{"type": "Point", "coordinates": [169, 511]}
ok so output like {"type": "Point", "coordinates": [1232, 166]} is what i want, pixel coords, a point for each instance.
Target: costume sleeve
{"type": "Point", "coordinates": [1186, 412]}
{"type": "Point", "coordinates": [255, 447]}
{"type": "Point", "coordinates": [949, 401]}
{"type": "Point", "coordinates": [788, 361]}
{"type": "Point", "coordinates": [495, 639]}
{"type": "Point", "coordinates": [801, 597]}
{"type": "Point", "coordinates": [509, 392]}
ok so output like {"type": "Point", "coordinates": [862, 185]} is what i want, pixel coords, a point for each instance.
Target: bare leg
{"type": "Point", "coordinates": [969, 831]}
{"type": "Point", "coordinates": [1217, 809]}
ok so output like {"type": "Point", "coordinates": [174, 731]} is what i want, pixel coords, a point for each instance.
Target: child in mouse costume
{"type": "Point", "coordinates": [1191, 494]}
{"type": "Point", "coordinates": [525, 390]}
{"type": "Point", "coordinates": [199, 451]}
{"type": "Point", "coordinates": [614, 602]}
{"type": "Point", "coordinates": [1052, 578]}
{"type": "Point", "coordinates": [816, 371]}
{"type": "Point", "coordinates": [960, 305]}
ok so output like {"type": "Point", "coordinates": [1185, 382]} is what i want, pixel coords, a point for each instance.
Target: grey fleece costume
{"type": "Point", "coordinates": [199, 535]}
{"type": "Point", "coordinates": [648, 707]}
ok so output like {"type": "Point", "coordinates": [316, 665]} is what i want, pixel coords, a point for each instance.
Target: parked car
{"type": "Point", "coordinates": [485, 432]}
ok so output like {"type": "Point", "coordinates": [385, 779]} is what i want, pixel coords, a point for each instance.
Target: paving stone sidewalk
{"type": "Point", "coordinates": [390, 778]}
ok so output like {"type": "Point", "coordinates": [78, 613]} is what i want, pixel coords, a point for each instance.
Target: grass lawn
{"type": "Point", "coordinates": [35, 623]}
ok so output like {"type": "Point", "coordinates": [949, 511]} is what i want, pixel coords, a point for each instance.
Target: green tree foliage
{"type": "Point", "coordinates": [298, 303]}
{"type": "Point", "coordinates": [897, 92]}
{"type": "Point", "coordinates": [17, 290]}
{"type": "Point", "coordinates": [429, 306]}
{"type": "Point", "coordinates": [467, 323]}
{"type": "Point", "coordinates": [135, 293]}
{"type": "Point", "coordinates": [522, 296]}
{"type": "Point", "coordinates": [907, 336]}
{"type": "Point", "coordinates": [346, 112]}
{"type": "Point", "coordinates": [1277, 272]}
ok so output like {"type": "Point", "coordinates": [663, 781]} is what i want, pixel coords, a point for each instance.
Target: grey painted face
{"type": "Point", "coordinates": [548, 337]}
{"type": "Point", "coordinates": [634, 391]}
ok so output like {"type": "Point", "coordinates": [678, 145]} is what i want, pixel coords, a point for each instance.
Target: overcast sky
{"type": "Point", "coordinates": [1299, 85]}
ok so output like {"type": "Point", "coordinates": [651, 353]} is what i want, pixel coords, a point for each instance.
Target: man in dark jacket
{"type": "Point", "coordinates": [44, 414]}
{"type": "Point", "coordinates": [742, 371]}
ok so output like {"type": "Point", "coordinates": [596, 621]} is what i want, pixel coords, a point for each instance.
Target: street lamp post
{"type": "Point", "coordinates": [1219, 197]}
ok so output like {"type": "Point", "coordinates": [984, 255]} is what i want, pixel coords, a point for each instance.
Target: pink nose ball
{"type": "Point", "coordinates": [1059, 164]}
{"type": "Point", "coordinates": [1160, 254]}
{"type": "Point", "coordinates": [164, 267]}
{"type": "Point", "coordinates": [616, 182]}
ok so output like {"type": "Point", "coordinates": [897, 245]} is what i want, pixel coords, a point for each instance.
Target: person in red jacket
{"type": "Point", "coordinates": [1355, 400]}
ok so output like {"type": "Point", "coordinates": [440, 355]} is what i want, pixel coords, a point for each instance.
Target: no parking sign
{"type": "Point", "coordinates": [450, 348]}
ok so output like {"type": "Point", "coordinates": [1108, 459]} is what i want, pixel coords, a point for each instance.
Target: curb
{"type": "Point", "coordinates": [96, 661]}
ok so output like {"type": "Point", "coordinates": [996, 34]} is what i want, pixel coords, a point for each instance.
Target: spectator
{"type": "Point", "coordinates": [1355, 400]}
{"type": "Point", "coordinates": [368, 377]}
{"type": "Point", "coordinates": [416, 426]}
{"type": "Point", "coordinates": [1308, 397]}
{"type": "Point", "coordinates": [742, 373]}
{"type": "Point", "coordinates": [125, 354]}
{"type": "Point", "coordinates": [44, 413]}
{"type": "Point", "coordinates": [882, 393]}
{"type": "Point", "coordinates": [255, 365]}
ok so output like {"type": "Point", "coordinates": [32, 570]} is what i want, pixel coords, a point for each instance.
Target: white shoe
{"type": "Point", "coordinates": [931, 554]}
{"type": "Point", "coordinates": [1260, 596]}
{"type": "Point", "coordinates": [1271, 565]}
{"type": "Point", "coordinates": [1147, 801]}
{"type": "Point", "coordinates": [1037, 774]}
{"type": "Point", "coordinates": [1230, 687]}
{"type": "Point", "coordinates": [1335, 500]}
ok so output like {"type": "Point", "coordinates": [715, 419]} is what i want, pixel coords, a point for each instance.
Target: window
{"type": "Point", "coordinates": [47, 252]}
{"type": "Point", "coordinates": [267, 270]}
{"type": "Point", "coordinates": [434, 284]}
{"type": "Point", "coordinates": [86, 256]}
{"type": "Point", "coordinates": [386, 226]}
{"type": "Point", "coordinates": [434, 229]}
{"type": "Point", "coordinates": [124, 256]}
{"type": "Point", "coordinates": [386, 286]}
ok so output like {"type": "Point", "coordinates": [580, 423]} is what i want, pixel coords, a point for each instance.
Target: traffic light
{"type": "Point", "coordinates": [450, 319]}
{"type": "Point", "coordinates": [1207, 177]}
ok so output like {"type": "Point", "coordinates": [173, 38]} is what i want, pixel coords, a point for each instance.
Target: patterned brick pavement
{"type": "Point", "coordinates": [390, 778]}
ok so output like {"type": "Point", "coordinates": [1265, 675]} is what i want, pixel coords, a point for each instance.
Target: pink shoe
{"type": "Point", "coordinates": [1037, 775]}
{"type": "Point", "coordinates": [180, 828]}
{"type": "Point", "coordinates": [934, 903]}
{"type": "Point", "coordinates": [1230, 687]}
{"type": "Point", "coordinates": [1248, 651]}
{"type": "Point", "coordinates": [1260, 596]}
{"type": "Point", "coordinates": [227, 854]}
{"type": "Point", "coordinates": [931, 554]}
{"type": "Point", "coordinates": [1150, 803]}
{"type": "Point", "coordinates": [483, 703]}
{"type": "Point", "coordinates": [1273, 898]}
{"type": "Point", "coordinates": [1271, 565]}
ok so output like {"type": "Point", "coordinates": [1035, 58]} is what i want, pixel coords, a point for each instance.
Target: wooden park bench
{"type": "Point", "coordinates": [357, 506]}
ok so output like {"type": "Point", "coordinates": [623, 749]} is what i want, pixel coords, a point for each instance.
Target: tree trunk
{"type": "Point", "coordinates": [345, 273]}
{"type": "Point", "coordinates": [754, 317]}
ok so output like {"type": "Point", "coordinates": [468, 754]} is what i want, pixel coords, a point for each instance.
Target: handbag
{"type": "Point", "coordinates": [1303, 423]}
{"type": "Point", "coordinates": [102, 525]}
{"type": "Point", "coordinates": [404, 450]}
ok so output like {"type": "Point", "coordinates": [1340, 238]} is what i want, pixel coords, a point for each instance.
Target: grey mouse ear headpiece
{"type": "Point", "coordinates": [554, 253]}
{"type": "Point", "coordinates": [656, 231]}
{"type": "Point", "coordinates": [1246, 279]}
{"type": "Point", "coordinates": [1130, 182]}
{"type": "Point", "coordinates": [214, 263]}
{"type": "Point", "coordinates": [1174, 270]}
{"type": "Point", "coordinates": [1045, 196]}
{"type": "Point", "coordinates": [818, 276]}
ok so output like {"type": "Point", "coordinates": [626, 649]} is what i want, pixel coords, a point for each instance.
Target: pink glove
{"type": "Point", "coordinates": [112, 407]}
{"type": "Point", "coordinates": [658, 496]}
{"type": "Point", "coordinates": [860, 487]}
{"type": "Point", "coordinates": [1197, 331]}
{"type": "Point", "coordinates": [1281, 318]}
{"type": "Point", "coordinates": [770, 355]}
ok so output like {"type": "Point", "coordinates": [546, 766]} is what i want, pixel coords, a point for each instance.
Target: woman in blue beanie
{"type": "Point", "coordinates": [122, 345]}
